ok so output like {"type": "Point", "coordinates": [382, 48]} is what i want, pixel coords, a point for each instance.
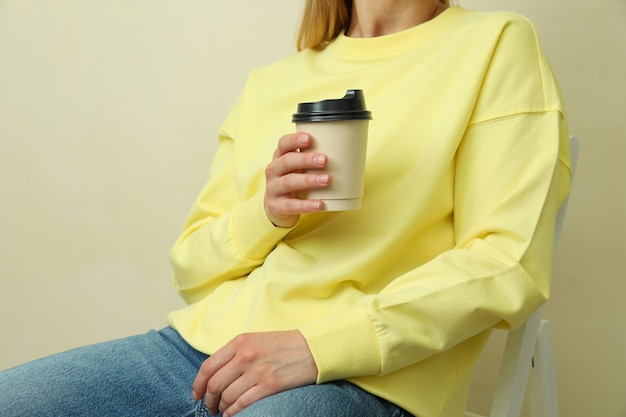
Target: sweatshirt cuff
{"type": "Point", "coordinates": [255, 235]}
{"type": "Point", "coordinates": [343, 345]}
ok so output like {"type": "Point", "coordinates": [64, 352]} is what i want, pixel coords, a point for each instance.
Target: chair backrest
{"type": "Point", "coordinates": [521, 343]}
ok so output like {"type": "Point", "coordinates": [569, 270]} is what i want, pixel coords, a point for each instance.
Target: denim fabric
{"type": "Point", "coordinates": [151, 375]}
{"type": "Point", "coordinates": [336, 399]}
{"type": "Point", "coordinates": [146, 375]}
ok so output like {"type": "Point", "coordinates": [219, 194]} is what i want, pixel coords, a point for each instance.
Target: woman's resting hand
{"type": "Point", "coordinates": [253, 366]}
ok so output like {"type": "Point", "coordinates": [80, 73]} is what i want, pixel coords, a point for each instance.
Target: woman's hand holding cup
{"type": "Point", "coordinates": [286, 180]}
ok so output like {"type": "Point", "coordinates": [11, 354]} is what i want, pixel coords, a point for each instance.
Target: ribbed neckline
{"type": "Point", "coordinates": [399, 42]}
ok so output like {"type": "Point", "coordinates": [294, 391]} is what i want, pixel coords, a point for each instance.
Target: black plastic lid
{"type": "Point", "coordinates": [350, 107]}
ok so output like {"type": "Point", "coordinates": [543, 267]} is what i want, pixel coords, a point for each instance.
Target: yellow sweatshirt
{"type": "Point", "coordinates": [467, 163]}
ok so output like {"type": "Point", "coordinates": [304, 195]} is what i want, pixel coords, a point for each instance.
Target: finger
{"type": "Point", "coordinates": [208, 369]}
{"type": "Point", "coordinates": [292, 206]}
{"type": "Point", "coordinates": [298, 161]}
{"type": "Point", "coordinates": [294, 182]}
{"type": "Point", "coordinates": [221, 384]}
{"type": "Point", "coordinates": [252, 395]}
{"type": "Point", "coordinates": [295, 162]}
{"type": "Point", "coordinates": [234, 392]}
{"type": "Point", "coordinates": [201, 380]}
{"type": "Point", "coordinates": [292, 142]}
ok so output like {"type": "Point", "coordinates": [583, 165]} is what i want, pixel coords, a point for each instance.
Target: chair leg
{"type": "Point", "coordinates": [543, 399]}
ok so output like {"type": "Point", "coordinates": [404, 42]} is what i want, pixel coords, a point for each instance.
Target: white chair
{"type": "Point", "coordinates": [528, 358]}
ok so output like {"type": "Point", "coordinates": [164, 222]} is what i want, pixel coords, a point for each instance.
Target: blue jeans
{"type": "Point", "coordinates": [151, 375]}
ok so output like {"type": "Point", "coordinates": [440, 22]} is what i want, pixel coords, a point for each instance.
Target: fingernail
{"type": "Point", "coordinates": [316, 205]}
{"type": "Point", "coordinates": [319, 159]}
{"type": "Point", "coordinates": [322, 178]}
{"type": "Point", "coordinates": [303, 139]}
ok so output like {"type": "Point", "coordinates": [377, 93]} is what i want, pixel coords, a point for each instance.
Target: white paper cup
{"type": "Point", "coordinates": [339, 130]}
{"type": "Point", "coordinates": [344, 142]}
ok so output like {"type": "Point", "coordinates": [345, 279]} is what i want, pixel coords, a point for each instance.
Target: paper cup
{"type": "Point", "coordinates": [339, 129]}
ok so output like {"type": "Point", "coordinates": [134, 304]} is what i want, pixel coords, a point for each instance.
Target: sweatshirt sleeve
{"type": "Point", "coordinates": [225, 236]}
{"type": "Point", "coordinates": [507, 196]}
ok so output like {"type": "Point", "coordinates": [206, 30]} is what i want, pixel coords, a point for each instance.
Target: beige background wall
{"type": "Point", "coordinates": [108, 111]}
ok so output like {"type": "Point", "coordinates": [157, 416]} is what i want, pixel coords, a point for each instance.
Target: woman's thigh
{"type": "Point", "coordinates": [151, 375]}
{"type": "Point", "coordinates": [145, 375]}
{"type": "Point", "coordinates": [331, 399]}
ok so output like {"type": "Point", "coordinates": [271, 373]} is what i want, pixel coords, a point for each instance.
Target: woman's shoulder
{"type": "Point", "coordinates": [285, 68]}
{"type": "Point", "coordinates": [495, 31]}
{"type": "Point", "coordinates": [490, 20]}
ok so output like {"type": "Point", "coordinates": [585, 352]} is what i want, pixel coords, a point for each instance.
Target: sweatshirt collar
{"type": "Point", "coordinates": [396, 43]}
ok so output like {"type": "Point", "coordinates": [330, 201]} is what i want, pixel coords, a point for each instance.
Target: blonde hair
{"type": "Point", "coordinates": [323, 20]}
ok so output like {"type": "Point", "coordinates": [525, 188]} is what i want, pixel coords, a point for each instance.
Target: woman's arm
{"type": "Point", "coordinates": [509, 179]}
{"type": "Point", "coordinates": [225, 238]}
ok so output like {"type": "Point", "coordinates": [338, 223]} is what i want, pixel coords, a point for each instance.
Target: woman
{"type": "Point", "coordinates": [378, 311]}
